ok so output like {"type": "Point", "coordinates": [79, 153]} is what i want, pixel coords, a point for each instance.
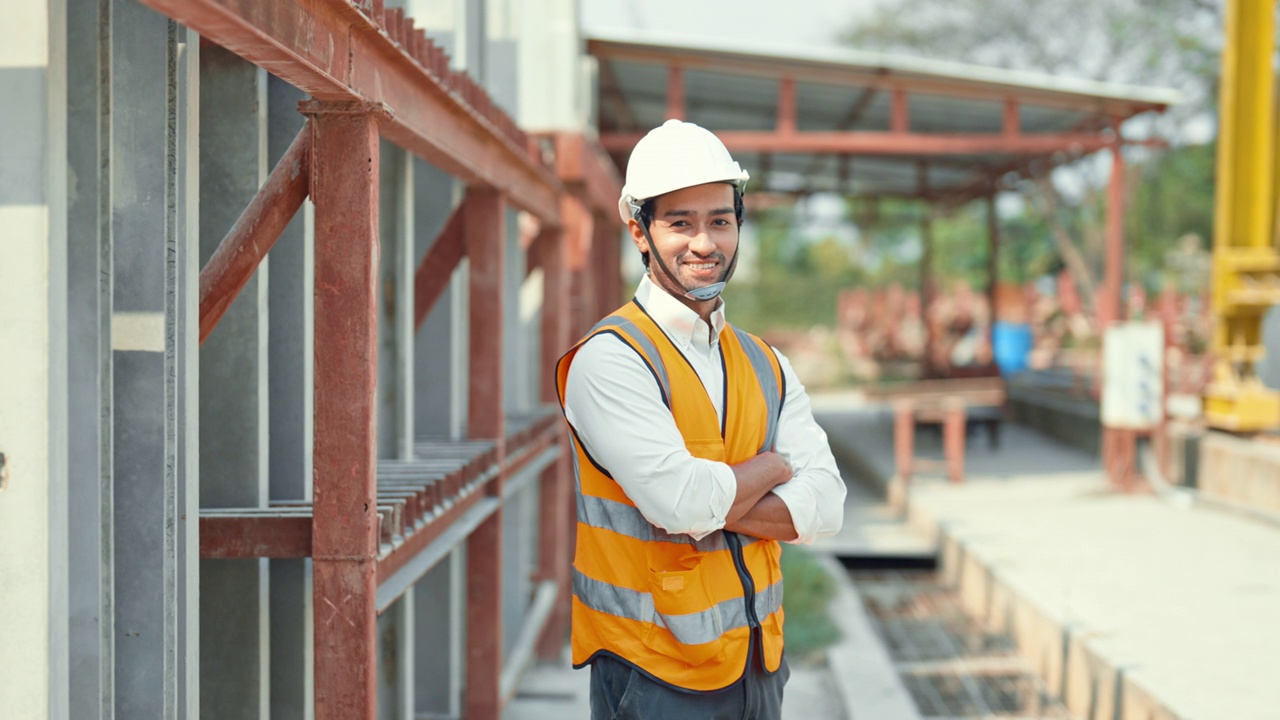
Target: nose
{"type": "Point", "coordinates": [701, 243]}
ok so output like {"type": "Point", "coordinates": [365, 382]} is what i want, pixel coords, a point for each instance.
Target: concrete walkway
{"type": "Point", "coordinates": [1126, 605]}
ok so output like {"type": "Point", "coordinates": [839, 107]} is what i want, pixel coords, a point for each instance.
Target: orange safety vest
{"type": "Point", "coordinates": [681, 610]}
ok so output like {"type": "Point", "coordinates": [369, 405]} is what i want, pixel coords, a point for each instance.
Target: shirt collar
{"type": "Point", "coordinates": [676, 319]}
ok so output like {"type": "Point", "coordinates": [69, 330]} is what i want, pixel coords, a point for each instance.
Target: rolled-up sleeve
{"type": "Point", "coordinates": [615, 408]}
{"type": "Point", "coordinates": [815, 493]}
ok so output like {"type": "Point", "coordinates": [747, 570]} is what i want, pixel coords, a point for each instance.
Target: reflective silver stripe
{"type": "Point", "coordinates": [769, 600]}
{"type": "Point", "coordinates": [690, 629]}
{"type": "Point", "coordinates": [646, 345]}
{"type": "Point", "coordinates": [624, 519]}
{"type": "Point", "coordinates": [768, 385]}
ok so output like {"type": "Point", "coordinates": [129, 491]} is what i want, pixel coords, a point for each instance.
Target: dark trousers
{"type": "Point", "coordinates": [620, 692]}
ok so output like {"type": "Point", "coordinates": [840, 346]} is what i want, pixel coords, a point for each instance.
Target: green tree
{"type": "Point", "coordinates": [1172, 43]}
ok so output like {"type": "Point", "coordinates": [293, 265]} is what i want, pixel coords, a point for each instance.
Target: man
{"type": "Point", "coordinates": [696, 452]}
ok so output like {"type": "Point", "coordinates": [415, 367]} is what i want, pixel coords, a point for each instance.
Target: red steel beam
{"type": "Point", "coordinates": [255, 232]}
{"type": "Point", "coordinates": [485, 244]}
{"type": "Point", "coordinates": [437, 266]}
{"type": "Point", "coordinates": [891, 143]}
{"type": "Point", "coordinates": [675, 92]}
{"type": "Point", "coordinates": [333, 51]}
{"type": "Point", "coordinates": [255, 535]}
{"type": "Point", "coordinates": [344, 185]}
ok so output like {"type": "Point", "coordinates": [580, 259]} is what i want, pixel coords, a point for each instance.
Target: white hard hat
{"type": "Point", "coordinates": [673, 156]}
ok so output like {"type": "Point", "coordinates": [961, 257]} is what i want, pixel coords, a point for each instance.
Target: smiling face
{"type": "Point", "coordinates": [695, 236]}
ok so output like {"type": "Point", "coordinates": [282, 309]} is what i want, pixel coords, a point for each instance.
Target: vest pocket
{"type": "Point", "coordinates": [687, 625]}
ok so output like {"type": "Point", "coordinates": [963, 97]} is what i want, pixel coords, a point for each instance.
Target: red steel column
{"type": "Point", "coordinates": [675, 93]}
{"type": "Point", "coordinates": [993, 268]}
{"type": "Point", "coordinates": [555, 531]}
{"type": "Point", "coordinates": [606, 256]}
{"type": "Point", "coordinates": [904, 440]}
{"type": "Point", "coordinates": [1111, 307]}
{"type": "Point", "coordinates": [953, 439]}
{"type": "Point", "coordinates": [485, 245]}
{"type": "Point", "coordinates": [344, 535]}
{"type": "Point", "coordinates": [1110, 311]}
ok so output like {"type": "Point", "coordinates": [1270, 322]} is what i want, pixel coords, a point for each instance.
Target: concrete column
{"type": "Point", "coordinates": [33, 421]}
{"type": "Point", "coordinates": [440, 381]}
{"type": "Point", "coordinates": [291, 375]}
{"type": "Point", "coordinates": [89, 364]}
{"type": "Point", "coordinates": [440, 378]}
{"type": "Point", "coordinates": [234, 612]}
{"type": "Point", "coordinates": [395, 307]}
{"type": "Point", "coordinates": [520, 363]}
{"type": "Point", "coordinates": [155, 85]}
{"type": "Point", "coordinates": [517, 354]}
{"type": "Point", "coordinates": [440, 637]}
{"type": "Point", "coordinates": [552, 94]}
{"type": "Point", "coordinates": [395, 402]}
{"type": "Point", "coordinates": [396, 659]}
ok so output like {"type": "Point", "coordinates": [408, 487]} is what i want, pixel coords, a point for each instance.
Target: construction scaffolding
{"type": "Point", "coordinates": [314, 463]}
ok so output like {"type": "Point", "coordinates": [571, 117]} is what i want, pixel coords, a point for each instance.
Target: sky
{"type": "Point", "coordinates": [804, 23]}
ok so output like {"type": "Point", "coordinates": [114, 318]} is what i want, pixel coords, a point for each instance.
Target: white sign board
{"type": "Point", "coordinates": [1133, 375]}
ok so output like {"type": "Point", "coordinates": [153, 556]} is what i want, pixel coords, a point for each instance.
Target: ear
{"type": "Point", "coordinates": [636, 232]}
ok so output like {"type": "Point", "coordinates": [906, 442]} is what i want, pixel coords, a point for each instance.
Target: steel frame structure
{"type": "Point", "coordinates": [1011, 149]}
{"type": "Point", "coordinates": [373, 528]}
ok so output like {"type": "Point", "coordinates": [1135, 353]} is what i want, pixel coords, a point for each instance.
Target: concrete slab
{"type": "Point", "coordinates": [873, 530]}
{"type": "Point", "coordinates": [1127, 606]}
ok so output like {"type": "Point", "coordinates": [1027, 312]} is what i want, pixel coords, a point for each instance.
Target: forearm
{"type": "Point", "coordinates": [755, 478]}
{"type": "Point", "coordinates": [769, 519]}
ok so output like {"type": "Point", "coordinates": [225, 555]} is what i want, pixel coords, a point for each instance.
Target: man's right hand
{"type": "Point", "coordinates": [756, 477]}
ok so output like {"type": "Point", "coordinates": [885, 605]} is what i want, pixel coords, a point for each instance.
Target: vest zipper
{"type": "Point", "coordinates": [748, 584]}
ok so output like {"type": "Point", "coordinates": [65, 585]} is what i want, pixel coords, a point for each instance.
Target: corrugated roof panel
{"type": "Point", "coordinates": [831, 107]}
{"type": "Point", "coordinates": [730, 102]}
{"type": "Point", "coordinates": [943, 114]}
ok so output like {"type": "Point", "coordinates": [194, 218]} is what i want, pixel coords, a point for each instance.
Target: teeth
{"type": "Point", "coordinates": [702, 266]}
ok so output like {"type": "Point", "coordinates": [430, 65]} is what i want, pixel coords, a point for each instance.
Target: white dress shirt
{"type": "Point", "coordinates": [613, 403]}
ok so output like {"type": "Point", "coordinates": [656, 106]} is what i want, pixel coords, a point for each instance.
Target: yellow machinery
{"type": "Point", "coordinates": [1246, 265]}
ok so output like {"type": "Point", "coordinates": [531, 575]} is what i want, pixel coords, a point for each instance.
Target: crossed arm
{"type": "Point", "coordinates": [755, 510]}
{"type": "Point", "coordinates": [608, 389]}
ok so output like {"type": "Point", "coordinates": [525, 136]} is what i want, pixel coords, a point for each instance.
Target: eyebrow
{"type": "Point", "coordinates": [686, 213]}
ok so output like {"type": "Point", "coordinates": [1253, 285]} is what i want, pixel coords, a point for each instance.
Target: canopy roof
{"type": "Point", "coordinates": [857, 122]}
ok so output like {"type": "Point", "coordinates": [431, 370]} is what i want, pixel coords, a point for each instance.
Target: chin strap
{"type": "Point", "coordinates": [702, 294]}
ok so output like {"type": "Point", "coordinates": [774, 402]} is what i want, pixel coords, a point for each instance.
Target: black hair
{"type": "Point", "coordinates": [647, 208]}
